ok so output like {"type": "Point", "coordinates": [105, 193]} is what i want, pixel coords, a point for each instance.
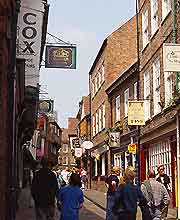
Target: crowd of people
{"type": "Point", "coordinates": [53, 188]}
{"type": "Point", "coordinates": [123, 195]}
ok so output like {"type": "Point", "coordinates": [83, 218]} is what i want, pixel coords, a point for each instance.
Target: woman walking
{"type": "Point", "coordinates": [71, 198]}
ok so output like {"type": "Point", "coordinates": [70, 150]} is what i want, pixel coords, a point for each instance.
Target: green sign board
{"type": "Point", "coordinates": [60, 57]}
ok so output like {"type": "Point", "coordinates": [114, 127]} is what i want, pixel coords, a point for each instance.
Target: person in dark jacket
{"type": "Point", "coordinates": [128, 195]}
{"type": "Point", "coordinates": [112, 182]}
{"type": "Point", "coordinates": [44, 190]}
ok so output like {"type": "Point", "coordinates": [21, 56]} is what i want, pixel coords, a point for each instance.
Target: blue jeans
{"type": "Point", "coordinates": [110, 203]}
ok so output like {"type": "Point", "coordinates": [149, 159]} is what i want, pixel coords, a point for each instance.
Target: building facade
{"type": "Point", "coordinates": [158, 136]}
{"type": "Point", "coordinates": [111, 61]}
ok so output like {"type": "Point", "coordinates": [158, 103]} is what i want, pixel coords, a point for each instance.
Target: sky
{"type": "Point", "coordinates": [86, 24]}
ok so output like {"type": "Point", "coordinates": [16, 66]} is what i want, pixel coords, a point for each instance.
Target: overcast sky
{"type": "Point", "coordinates": [86, 24]}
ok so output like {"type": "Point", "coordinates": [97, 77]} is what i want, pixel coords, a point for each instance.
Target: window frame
{"type": "Point", "coordinates": [118, 108]}
{"type": "Point", "coordinates": [126, 98]}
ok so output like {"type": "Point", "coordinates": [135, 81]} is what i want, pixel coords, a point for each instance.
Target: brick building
{"type": "Point", "coordinates": [117, 54]}
{"type": "Point", "coordinates": [122, 90]}
{"type": "Point", "coordinates": [66, 153]}
{"type": "Point", "coordinates": [157, 88]}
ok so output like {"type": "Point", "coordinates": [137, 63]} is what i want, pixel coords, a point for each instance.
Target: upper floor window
{"type": "Point", "coordinates": [154, 16]}
{"type": "Point", "coordinates": [126, 98]}
{"type": "Point", "coordinates": [103, 116]}
{"type": "Point", "coordinates": [135, 90]}
{"type": "Point", "coordinates": [145, 33]}
{"type": "Point", "coordinates": [147, 95]}
{"type": "Point", "coordinates": [118, 102]}
{"type": "Point", "coordinates": [168, 79]}
{"type": "Point", "coordinates": [103, 72]}
{"type": "Point", "coordinates": [65, 148]}
{"type": "Point", "coordinates": [166, 8]}
{"type": "Point", "coordinates": [100, 119]}
{"type": "Point", "coordinates": [97, 122]}
{"type": "Point", "coordinates": [93, 89]}
{"type": "Point", "coordinates": [156, 85]}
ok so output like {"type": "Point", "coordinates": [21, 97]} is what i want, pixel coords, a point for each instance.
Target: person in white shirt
{"type": "Point", "coordinates": [65, 175]}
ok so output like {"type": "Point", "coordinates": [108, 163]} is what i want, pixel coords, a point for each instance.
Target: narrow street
{"type": "Point", "coordinates": [88, 212]}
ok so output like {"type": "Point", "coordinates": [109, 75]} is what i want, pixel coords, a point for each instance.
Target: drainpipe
{"type": "Point", "coordinates": [12, 198]}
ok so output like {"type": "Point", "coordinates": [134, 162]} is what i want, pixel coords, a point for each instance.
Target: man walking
{"type": "Point", "coordinates": [156, 196]}
{"type": "Point", "coordinates": [44, 190]}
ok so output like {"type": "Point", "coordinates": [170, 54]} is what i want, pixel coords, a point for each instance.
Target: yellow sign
{"type": "Point", "coordinates": [136, 113]}
{"type": "Point", "coordinates": [132, 148]}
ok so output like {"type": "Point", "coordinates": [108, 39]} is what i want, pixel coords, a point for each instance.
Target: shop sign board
{"type": "Point", "coordinates": [114, 139]}
{"type": "Point", "coordinates": [171, 57]}
{"type": "Point", "coordinates": [132, 148]}
{"type": "Point", "coordinates": [78, 152]}
{"type": "Point", "coordinates": [136, 113]}
{"type": "Point", "coordinates": [60, 57]}
{"type": "Point", "coordinates": [46, 106]}
{"type": "Point", "coordinates": [87, 145]}
{"type": "Point", "coordinates": [29, 35]}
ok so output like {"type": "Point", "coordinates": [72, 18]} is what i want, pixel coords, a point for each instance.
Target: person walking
{"type": "Point", "coordinates": [127, 196]}
{"type": "Point", "coordinates": [65, 175]}
{"type": "Point", "coordinates": [44, 190]}
{"type": "Point", "coordinates": [71, 199]}
{"type": "Point", "coordinates": [163, 178]}
{"type": "Point", "coordinates": [112, 182]}
{"type": "Point", "coordinates": [156, 195]}
{"type": "Point", "coordinates": [83, 175]}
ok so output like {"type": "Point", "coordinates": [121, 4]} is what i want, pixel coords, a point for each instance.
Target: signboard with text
{"type": "Point", "coordinates": [60, 57]}
{"type": "Point", "coordinates": [132, 148]}
{"type": "Point", "coordinates": [171, 57]}
{"type": "Point", "coordinates": [136, 113]}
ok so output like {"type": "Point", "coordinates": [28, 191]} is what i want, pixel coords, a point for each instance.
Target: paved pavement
{"type": "Point", "coordinates": [99, 198]}
{"type": "Point", "coordinates": [26, 209]}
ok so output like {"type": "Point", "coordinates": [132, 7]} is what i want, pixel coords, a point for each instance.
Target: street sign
{"type": "Point", "coordinates": [132, 148]}
{"type": "Point", "coordinates": [171, 57]}
{"type": "Point", "coordinates": [75, 142]}
{"type": "Point", "coordinates": [114, 139]}
{"type": "Point", "coordinates": [136, 113]}
{"type": "Point", "coordinates": [87, 145]}
{"type": "Point", "coordinates": [60, 57]}
{"type": "Point", "coordinates": [78, 152]}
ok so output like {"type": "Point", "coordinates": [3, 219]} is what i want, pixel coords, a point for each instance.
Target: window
{"type": "Point", "coordinates": [104, 116]}
{"type": "Point", "coordinates": [100, 78]}
{"type": "Point", "coordinates": [96, 84]}
{"type": "Point", "coordinates": [65, 160]}
{"type": "Point", "coordinates": [100, 119]}
{"type": "Point", "coordinates": [94, 127]}
{"type": "Point", "coordinates": [97, 122]}
{"type": "Point", "coordinates": [103, 72]}
{"type": "Point", "coordinates": [166, 8]}
{"type": "Point", "coordinates": [135, 90]}
{"type": "Point", "coordinates": [65, 148]}
{"type": "Point", "coordinates": [96, 167]}
{"type": "Point", "coordinates": [156, 86]}
{"type": "Point", "coordinates": [154, 16]}
{"type": "Point", "coordinates": [168, 78]}
{"type": "Point", "coordinates": [126, 97]}
{"type": "Point", "coordinates": [93, 89]}
{"type": "Point", "coordinates": [118, 102]}
{"type": "Point", "coordinates": [147, 95]}
{"type": "Point", "coordinates": [145, 33]}
{"type": "Point", "coordinates": [103, 167]}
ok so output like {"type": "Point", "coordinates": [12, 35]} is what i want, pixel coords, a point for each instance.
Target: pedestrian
{"type": "Point", "coordinates": [71, 198]}
{"type": "Point", "coordinates": [165, 180]}
{"type": "Point", "coordinates": [44, 191]}
{"type": "Point", "coordinates": [112, 182]}
{"type": "Point", "coordinates": [156, 195]}
{"type": "Point", "coordinates": [127, 196]}
{"type": "Point", "coordinates": [65, 175]}
{"type": "Point", "coordinates": [83, 175]}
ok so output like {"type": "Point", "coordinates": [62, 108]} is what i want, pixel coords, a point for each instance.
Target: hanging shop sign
{"type": "Point", "coordinates": [75, 142]}
{"type": "Point", "coordinates": [60, 57]}
{"type": "Point", "coordinates": [132, 148]}
{"type": "Point", "coordinates": [171, 57]}
{"type": "Point", "coordinates": [78, 152]}
{"type": "Point", "coordinates": [46, 106]}
{"type": "Point", "coordinates": [114, 139]}
{"type": "Point", "coordinates": [136, 113]}
{"type": "Point", "coordinates": [29, 35]}
{"type": "Point", "coordinates": [87, 145]}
